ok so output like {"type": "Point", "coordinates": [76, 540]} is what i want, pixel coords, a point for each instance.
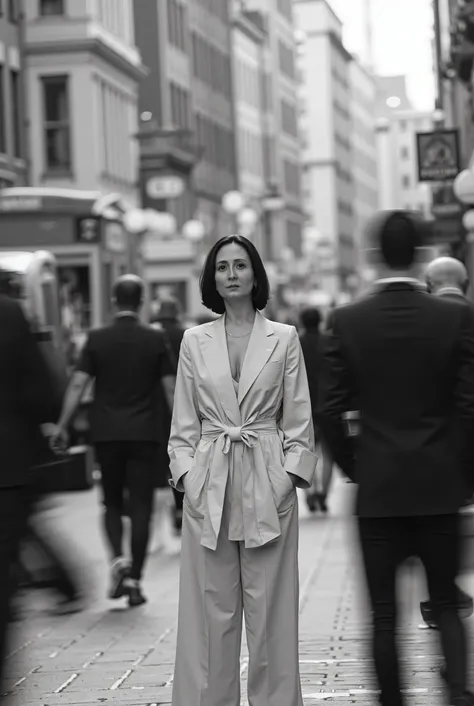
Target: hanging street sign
{"type": "Point", "coordinates": [438, 155]}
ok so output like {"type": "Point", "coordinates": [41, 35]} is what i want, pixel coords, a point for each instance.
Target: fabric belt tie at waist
{"type": "Point", "coordinates": [261, 522]}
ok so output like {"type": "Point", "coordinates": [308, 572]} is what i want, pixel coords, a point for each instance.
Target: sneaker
{"type": "Point", "coordinates": [119, 573]}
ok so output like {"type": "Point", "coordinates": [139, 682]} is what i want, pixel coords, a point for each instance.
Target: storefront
{"type": "Point", "coordinates": [88, 240]}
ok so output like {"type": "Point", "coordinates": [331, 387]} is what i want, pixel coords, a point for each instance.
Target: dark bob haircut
{"type": "Point", "coordinates": [210, 296]}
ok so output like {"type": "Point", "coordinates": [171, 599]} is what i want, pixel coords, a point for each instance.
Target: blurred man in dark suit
{"type": "Point", "coordinates": [26, 402]}
{"type": "Point", "coordinates": [447, 277]}
{"type": "Point", "coordinates": [408, 359]}
{"type": "Point", "coordinates": [127, 362]}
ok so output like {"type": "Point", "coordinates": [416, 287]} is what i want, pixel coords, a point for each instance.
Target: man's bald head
{"type": "Point", "coordinates": [446, 272]}
{"type": "Point", "coordinates": [128, 293]}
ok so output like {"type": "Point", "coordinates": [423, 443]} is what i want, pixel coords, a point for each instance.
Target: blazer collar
{"type": "Point", "coordinates": [261, 345]}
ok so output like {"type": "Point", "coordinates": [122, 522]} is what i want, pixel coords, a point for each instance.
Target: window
{"type": "Point", "coordinates": [16, 112]}
{"type": "Point", "coordinates": [406, 181]}
{"type": "Point", "coordinates": [56, 123]}
{"type": "Point", "coordinates": [286, 60]}
{"type": "Point", "coordinates": [403, 125]}
{"type": "Point", "coordinates": [176, 24]}
{"type": "Point", "coordinates": [12, 11]}
{"type": "Point", "coordinates": [404, 153]}
{"type": "Point", "coordinates": [179, 105]}
{"type": "Point", "coordinates": [289, 122]}
{"type": "Point", "coordinates": [292, 178]}
{"type": "Point", "coordinates": [51, 7]}
{"type": "Point", "coordinates": [3, 138]}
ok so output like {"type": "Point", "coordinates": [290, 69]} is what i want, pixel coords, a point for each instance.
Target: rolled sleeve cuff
{"type": "Point", "coordinates": [303, 465]}
{"type": "Point", "coordinates": [179, 467]}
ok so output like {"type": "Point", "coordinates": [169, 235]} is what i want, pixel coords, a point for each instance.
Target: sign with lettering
{"type": "Point", "coordinates": [438, 155]}
{"type": "Point", "coordinates": [20, 203]}
{"type": "Point", "coordinates": [88, 230]}
{"type": "Point", "coordinates": [168, 186]}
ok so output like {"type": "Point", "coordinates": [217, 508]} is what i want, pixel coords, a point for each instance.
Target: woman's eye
{"type": "Point", "coordinates": [221, 268]}
{"type": "Point", "coordinates": [241, 265]}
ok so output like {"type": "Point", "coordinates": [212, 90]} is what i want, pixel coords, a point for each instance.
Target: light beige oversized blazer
{"type": "Point", "coordinates": [271, 414]}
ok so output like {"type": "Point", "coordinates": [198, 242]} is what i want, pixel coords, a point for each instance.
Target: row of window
{"type": "Point", "coordinates": [217, 141]}
{"type": "Point", "coordinates": [292, 177]}
{"type": "Point", "coordinates": [10, 10]}
{"type": "Point", "coordinates": [10, 82]}
{"type": "Point", "coordinates": [180, 105]}
{"type": "Point", "coordinates": [211, 66]}
{"type": "Point", "coordinates": [177, 24]}
{"type": "Point", "coordinates": [247, 83]}
{"type": "Point", "coordinates": [113, 16]}
{"type": "Point", "coordinates": [344, 208]}
{"type": "Point", "coordinates": [286, 59]}
{"type": "Point", "coordinates": [51, 7]}
{"type": "Point", "coordinates": [216, 7]}
{"type": "Point", "coordinates": [342, 142]}
{"type": "Point", "coordinates": [341, 110]}
{"type": "Point", "coordinates": [289, 120]}
{"type": "Point", "coordinates": [251, 152]}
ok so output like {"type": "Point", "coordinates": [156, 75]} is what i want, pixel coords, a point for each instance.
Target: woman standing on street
{"type": "Point", "coordinates": [241, 441]}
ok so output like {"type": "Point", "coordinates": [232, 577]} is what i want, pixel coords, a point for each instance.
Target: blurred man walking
{"type": "Point", "coordinates": [408, 358]}
{"type": "Point", "coordinates": [128, 361]}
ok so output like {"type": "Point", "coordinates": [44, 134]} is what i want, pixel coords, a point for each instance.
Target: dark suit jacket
{"type": "Point", "coordinates": [26, 395]}
{"type": "Point", "coordinates": [127, 361]}
{"type": "Point", "coordinates": [311, 345]}
{"type": "Point", "coordinates": [174, 335]}
{"type": "Point", "coordinates": [408, 359]}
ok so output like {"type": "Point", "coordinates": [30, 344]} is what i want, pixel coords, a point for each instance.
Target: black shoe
{"type": "Point", "coordinates": [311, 502]}
{"type": "Point", "coordinates": [135, 596]}
{"type": "Point", "coordinates": [427, 615]}
{"type": "Point", "coordinates": [117, 588]}
{"type": "Point", "coordinates": [321, 500]}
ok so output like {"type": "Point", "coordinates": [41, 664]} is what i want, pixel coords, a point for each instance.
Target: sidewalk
{"type": "Point", "coordinates": [112, 655]}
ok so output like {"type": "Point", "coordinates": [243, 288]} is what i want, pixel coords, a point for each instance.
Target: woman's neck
{"type": "Point", "coordinates": [240, 313]}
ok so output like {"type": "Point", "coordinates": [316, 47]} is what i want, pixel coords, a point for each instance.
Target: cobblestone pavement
{"type": "Point", "coordinates": [112, 655]}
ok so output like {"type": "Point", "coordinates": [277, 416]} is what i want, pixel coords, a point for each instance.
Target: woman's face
{"type": "Point", "coordinates": [234, 273]}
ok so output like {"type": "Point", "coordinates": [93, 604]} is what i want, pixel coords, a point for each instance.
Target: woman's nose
{"type": "Point", "coordinates": [232, 273]}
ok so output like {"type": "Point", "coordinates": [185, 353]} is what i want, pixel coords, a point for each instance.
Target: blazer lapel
{"type": "Point", "coordinates": [261, 345]}
{"type": "Point", "coordinates": [216, 356]}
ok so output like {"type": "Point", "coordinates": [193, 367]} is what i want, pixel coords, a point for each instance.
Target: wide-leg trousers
{"type": "Point", "coordinates": [216, 589]}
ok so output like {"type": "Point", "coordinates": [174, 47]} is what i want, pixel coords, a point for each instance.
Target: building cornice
{"type": "Point", "coordinates": [248, 27]}
{"type": "Point", "coordinates": [335, 40]}
{"type": "Point", "coordinates": [92, 45]}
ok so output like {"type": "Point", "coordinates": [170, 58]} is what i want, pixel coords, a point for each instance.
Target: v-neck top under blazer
{"type": "Point", "coordinates": [254, 434]}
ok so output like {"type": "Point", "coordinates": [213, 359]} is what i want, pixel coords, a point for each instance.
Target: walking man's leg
{"type": "Point", "coordinates": [438, 548]}
{"type": "Point", "coordinates": [13, 516]}
{"type": "Point", "coordinates": [140, 482]}
{"type": "Point", "coordinates": [112, 457]}
{"type": "Point", "coordinates": [382, 551]}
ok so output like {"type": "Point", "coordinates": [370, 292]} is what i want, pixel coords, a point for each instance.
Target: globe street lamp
{"type": "Point", "coordinates": [194, 232]}
{"type": "Point", "coordinates": [139, 222]}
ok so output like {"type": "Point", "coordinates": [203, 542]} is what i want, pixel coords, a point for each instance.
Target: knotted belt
{"type": "Point", "coordinates": [261, 522]}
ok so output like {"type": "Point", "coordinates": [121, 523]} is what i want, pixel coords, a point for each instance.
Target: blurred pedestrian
{"type": "Point", "coordinates": [409, 359]}
{"type": "Point", "coordinates": [127, 362]}
{"type": "Point", "coordinates": [311, 345]}
{"type": "Point", "coordinates": [241, 441]}
{"type": "Point", "coordinates": [167, 317]}
{"type": "Point", "coordinates": [26, 402]}
{"type": "Point", "coordinates": [447, 277]}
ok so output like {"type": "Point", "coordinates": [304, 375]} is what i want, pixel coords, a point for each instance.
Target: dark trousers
{"type": "Point", "coordinates": [128, 470]}
{"type": "Point", "coordinates": [14, 508]}
{"type": "Point", "coordinates": [386, 543]}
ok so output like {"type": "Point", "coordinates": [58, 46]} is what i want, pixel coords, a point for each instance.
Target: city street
{"type": "Point", "coordinates": [109, 654]}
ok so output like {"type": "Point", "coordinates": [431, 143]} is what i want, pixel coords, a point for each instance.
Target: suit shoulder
{"type": "Point", "coordinates": [194, 332]}
{"type": "Point", "coordinates": [283, 330]}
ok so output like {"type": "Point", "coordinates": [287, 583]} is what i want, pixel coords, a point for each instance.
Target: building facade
{"type": "Point", "coordinates": [397, 126]}
{"type": "Point", "coordinates": [326, 126]}
{"type": "Point", "coordinates": [282, 146]}
{"type": "Point", "coordinates": [249, 46]}
{"type": "Point", "coordinates": [363, 96]}
{"type": "Point", "coordinates": [13, 148]}
{"type": "Point", "coordinates": [82, 72]}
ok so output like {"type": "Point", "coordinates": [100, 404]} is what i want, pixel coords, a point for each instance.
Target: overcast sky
{"type": "Point", "coordinates": [402, 41]}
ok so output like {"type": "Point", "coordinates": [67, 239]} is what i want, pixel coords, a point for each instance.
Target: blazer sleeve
{"type": "Point", "coordinates": [296, 421]}
{"type": "Point", "coordinates": [186, 422]}
{"type": "Point", "coordinates": [335, 400]}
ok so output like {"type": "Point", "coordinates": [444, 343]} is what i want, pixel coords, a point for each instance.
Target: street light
{"type": "Point", "coordinates": [233, 202]}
